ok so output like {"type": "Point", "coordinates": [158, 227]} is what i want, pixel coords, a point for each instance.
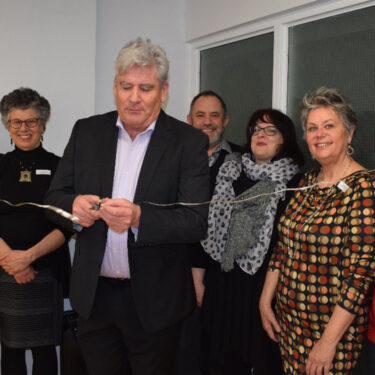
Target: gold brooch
{"type": "Point", "coordinates": [25, 176]}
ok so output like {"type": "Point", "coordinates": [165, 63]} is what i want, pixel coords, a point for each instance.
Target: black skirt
{"type": "Point", "coordinates": [231, 321]}
{"type": "Point", "coordinates": [30, 314]}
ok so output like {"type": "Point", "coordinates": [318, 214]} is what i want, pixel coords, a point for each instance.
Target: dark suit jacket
{"type": "Point", "coordinates": [175, 169]}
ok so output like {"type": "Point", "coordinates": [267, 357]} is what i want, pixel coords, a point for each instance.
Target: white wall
{"type": "Point", "coordinates": [49, 45]}
{"type": "Point", "coordinates": [210, 16]}
{"type": "Point", "coordinates": [162, 21]}
{"type": "Point", "coordinates": [66, 50]}
{"type": "Point", "coordinates": [212, 23]}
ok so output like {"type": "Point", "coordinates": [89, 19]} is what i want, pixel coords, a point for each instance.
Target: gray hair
{"type": "Point", "coordinates": [143, 53]}
{"type": "Point", "coordinates": [25, 98]}
{"type": "Point", "coordinates": [332, 98]}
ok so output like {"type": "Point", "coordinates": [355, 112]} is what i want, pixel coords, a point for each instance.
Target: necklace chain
{"type": "Point", "coordinates": [312, 215]}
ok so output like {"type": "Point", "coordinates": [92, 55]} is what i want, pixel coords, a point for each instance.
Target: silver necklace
{"type": "Point", "coordinates": [314, 213]}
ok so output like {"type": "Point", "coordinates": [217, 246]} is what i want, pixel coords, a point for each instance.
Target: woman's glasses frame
{"type": "Point", "coordinates": [30, 123]}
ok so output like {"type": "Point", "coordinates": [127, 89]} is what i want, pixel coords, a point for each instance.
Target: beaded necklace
{"type": "Point", "coordinates": [340, 184]}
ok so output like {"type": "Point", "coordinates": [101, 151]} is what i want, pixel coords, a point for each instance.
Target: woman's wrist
{"type": "Point", "coordinates": [265, 301]}
{"type": "Point", "coordinates": [31, 257]}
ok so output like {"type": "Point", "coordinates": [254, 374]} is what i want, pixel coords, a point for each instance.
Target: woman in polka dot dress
{"type": "Point", "coordinates": [324, 264]}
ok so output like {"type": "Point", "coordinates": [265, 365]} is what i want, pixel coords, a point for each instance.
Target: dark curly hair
{"type": "Point", "coordinates": [289, 148]}
{"type": "Point", "coordinates": [25, 98]}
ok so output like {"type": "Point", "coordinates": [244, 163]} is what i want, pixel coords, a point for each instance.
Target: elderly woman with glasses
{"type": "Point", "coordinates": [323, 266]}
{"type": "Point", "coordinates": [249, 197]}
{"type": "Point", "coordinates": [34, 257]}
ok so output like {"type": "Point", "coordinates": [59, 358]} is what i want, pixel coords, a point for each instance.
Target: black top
{"type": "Point", "coordinates": [236, 148]}
{"type": "Point", "coordinates": [243, 183]}
{"type": "Point", "coordinates": [25, 177]}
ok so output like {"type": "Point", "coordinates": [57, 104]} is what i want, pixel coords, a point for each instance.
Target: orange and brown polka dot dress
{"type": "Point", "coordinates": [325, 256]}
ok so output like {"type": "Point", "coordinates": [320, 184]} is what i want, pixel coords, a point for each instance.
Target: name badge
{"type": "Point", "coordinates": [43, 171]}
{"type": "Point", "coordinates": [342, 186]}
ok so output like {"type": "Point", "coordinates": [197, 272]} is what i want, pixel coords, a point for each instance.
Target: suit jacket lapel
{"type": "Point", "coordinates": [155, 150]}
{"type": "Point", "coordinates": [110, 140]}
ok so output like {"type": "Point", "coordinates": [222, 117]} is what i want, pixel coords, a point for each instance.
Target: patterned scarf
{"type": "Point", "coordinates": [244, 237]}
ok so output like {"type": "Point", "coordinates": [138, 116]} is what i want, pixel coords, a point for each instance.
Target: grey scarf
{"type": "Point", "coordinates": [241, 232]}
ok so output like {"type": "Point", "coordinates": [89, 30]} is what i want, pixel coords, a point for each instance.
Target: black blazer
{"type": "Point", "coordinates": [175, 169]}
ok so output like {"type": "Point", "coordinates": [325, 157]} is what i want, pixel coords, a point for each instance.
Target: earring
{"type": "Point", "coordinates": [350, 150]}
{"type": "Point", "coordinates": [41, 138]}
{"type": "Point", "coordinates": [11, 141]}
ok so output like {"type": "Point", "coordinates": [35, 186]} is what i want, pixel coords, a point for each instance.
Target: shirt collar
{"type": "Point", "coordinates": [223, 145]}
{"type": "Point", "coordinates": [150, 128]}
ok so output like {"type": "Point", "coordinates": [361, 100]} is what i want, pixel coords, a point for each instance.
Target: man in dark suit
{"type": "Point", "coordinates": [131, 281]}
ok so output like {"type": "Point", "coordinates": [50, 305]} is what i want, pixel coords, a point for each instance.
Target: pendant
{"type": "Point", "coordinates": [25, 176]}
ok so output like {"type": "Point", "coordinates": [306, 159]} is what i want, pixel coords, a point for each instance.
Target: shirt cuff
{"type": "Point", "coordinates": [135, 232]}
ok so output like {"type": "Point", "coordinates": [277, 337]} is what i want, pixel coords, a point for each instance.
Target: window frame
{"type": "Point", "coordinates": [279, 25]}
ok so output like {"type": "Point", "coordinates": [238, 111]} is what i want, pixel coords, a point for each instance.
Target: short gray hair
{"type": "Point", "coordinates": [25, 98]}
{"type": "Point", "coordinates": [332, 98]}
{"type": "Point", "coordinates": [143, 53]}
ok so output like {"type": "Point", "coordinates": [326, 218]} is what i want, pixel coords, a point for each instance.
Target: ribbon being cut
{"type": "Point", "coordinates": [75, 219]}
{"type": "Point", "coordinates": [57, 210]}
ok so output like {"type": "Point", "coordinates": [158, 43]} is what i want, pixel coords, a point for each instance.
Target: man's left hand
{"type": "Point", "coordinates": [120, 214]}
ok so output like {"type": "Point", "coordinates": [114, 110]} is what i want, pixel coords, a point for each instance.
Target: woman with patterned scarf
{"type": "Point", "coordinates": [249, 198]}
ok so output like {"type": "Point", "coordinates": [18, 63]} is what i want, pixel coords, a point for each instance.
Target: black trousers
{"type": "Point", "coordinates": [44, 360]}
{"type": "Point", "coordinates": [189, 358]}
{"type": "Point", "coordinates": [114, 342]}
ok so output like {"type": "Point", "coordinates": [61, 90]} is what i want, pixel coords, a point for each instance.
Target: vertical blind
{"type": "Point", "coordinates": [241, 73]}
{"type": "Point", "coordinates": [337, 52]}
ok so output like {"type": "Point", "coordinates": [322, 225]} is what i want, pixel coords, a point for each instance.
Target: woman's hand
{"type": "Point", "coordinates": [16, 261]}
{"type": "Point", "coordinates": [4, 251]}
{"type": "Point", "coordinates": [198, 276]}
{"type": "Point", "coordinates": [25, 276]}
{"type": "Point", "coordinates": [269, 322]}
{"type": "Point", "coordinates": [320, 358]}
{"type": "Point", "coordinates": [323, 352]}
{"type": "Point", "coordinates": [199, 292]}
{"type": "Point", "coordinates": [19, 260]}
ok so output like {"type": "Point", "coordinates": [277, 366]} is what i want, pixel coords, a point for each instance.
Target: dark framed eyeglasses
{"type": "Point", "coordinates": [30, 123]}
{"type": "Point", "coordinates": [268, 130]}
